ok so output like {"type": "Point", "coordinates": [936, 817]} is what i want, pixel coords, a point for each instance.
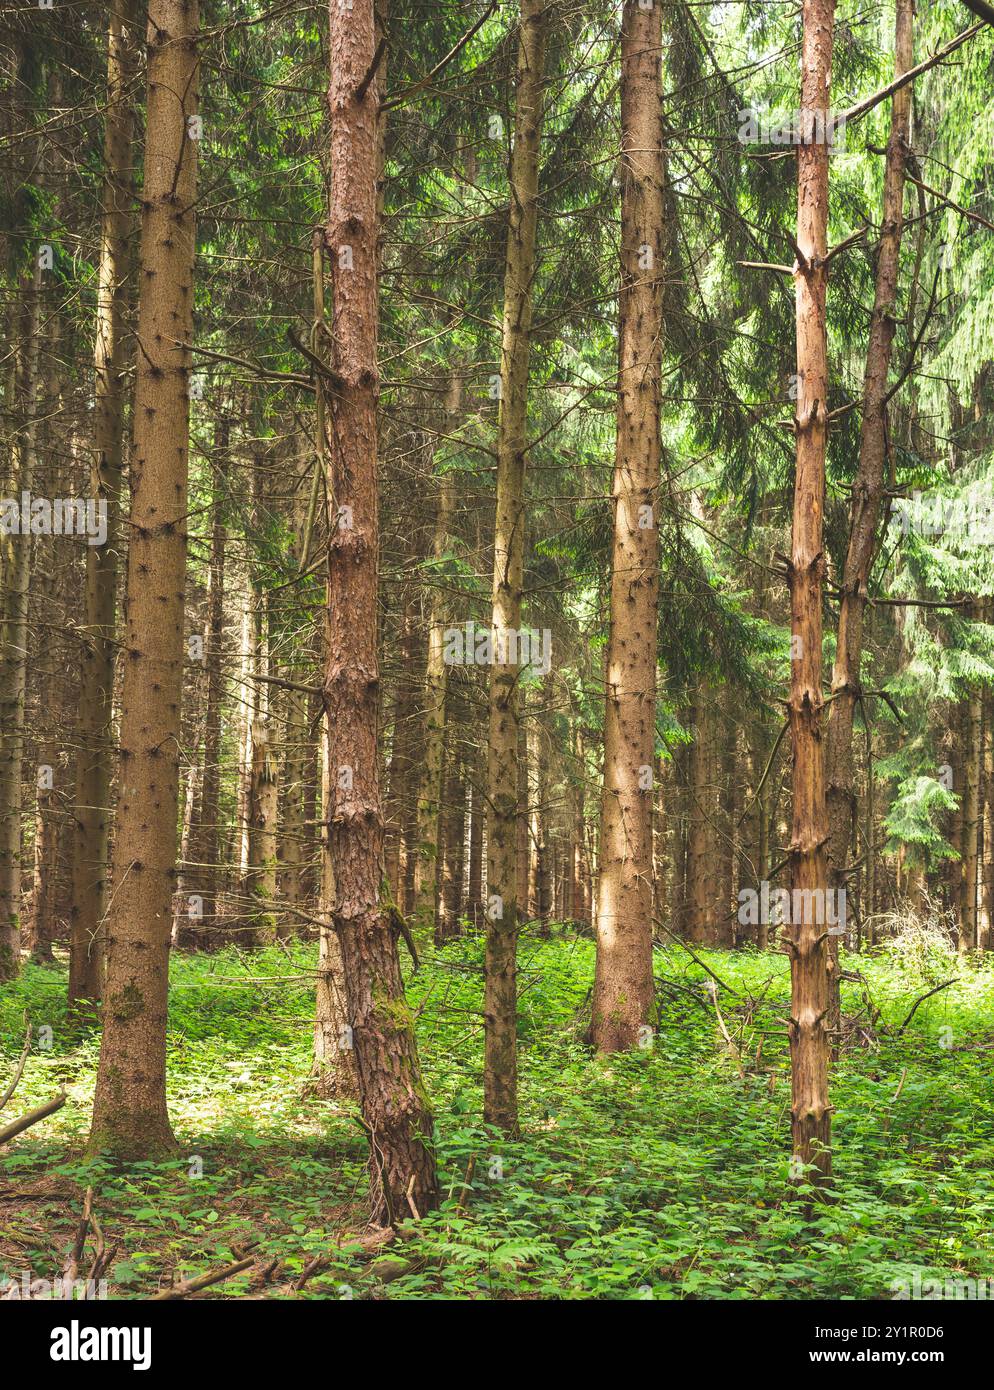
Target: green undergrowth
{"type": "Point", "coordinates": [662, 1174]}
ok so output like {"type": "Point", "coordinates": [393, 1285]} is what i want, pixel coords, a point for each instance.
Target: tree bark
{"type": "Point", "coordinates": [395, 1107]}
{"type": "Point", "coordinates": [805, 935]}
{"type": "Point", "coordinates": [94, 763]}
{"type": "Point", "coordinates": [16, 549]}
{"type": "Point", "coordinates": [623, 982]}
{"type": "Point", "coordinates": [970, 863]}
{"type": "Point", "coordinates": [505, 906]}
{"type": "Point", "coordinates": [129, 1108]}
{"type": "Point", "coordinates": [333, 1071]}
{"type": "Point", "coordinates": [206, 838]}
{"type": "Point", "coordinates": [428, 868]}
{"type": "Point", "coordinates": [867, 490]}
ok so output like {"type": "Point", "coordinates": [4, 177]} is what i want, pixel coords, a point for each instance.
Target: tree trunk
{"type": "Point", "coordinates": [623, 983]}
{"type": "Point", "coordinates": [262, 857]}
{"type": "Point", "coordinates": [129, 1107]}
{"type": "Point", "coordinates": [806, 935]}
{"type": "Point", "coordinates": [395, 1107]}
{"type": "Point", "coordinates": [15, 554]}
{"type": "Point", "coordinates": [973, 762]}
{"type": "Point", "coordinates": [94, 765]}
{"type": "Point", "coordinates": [401, 794]}
{"type": "Point", "coordinates": [206, 838]}
{"type": "Point", "coordinates": [474, 887]}
{"type": "Point", "coordinates": [504, 903]}
{"type": "Point", "coordinates": [428, 868]}
{"type": "Point", "coordinates": [447, 920]}
{"type": "Point", "coordinates": [699, 867]}
{"type": "Point", "coordinates": [987, 865]}
{"type": "Point", "coordinates": [867, 491]}
{"type": "Point", "coordinates": [333, 1070]}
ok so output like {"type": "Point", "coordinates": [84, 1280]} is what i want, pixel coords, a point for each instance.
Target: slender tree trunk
{"type": "Point", "coordinates": [14, 644]}
{"type": "Point", "coordinates": [428, 868]}
{"type": "Point", "coordinates": [15, 552]}
{"type": "Point", "coordinates": [973, 763]}
{"type": "Point", "coordinates": [505, 906]}
{"type": "Point", "coordinates": [298, 749]}
{"type": "Point", "coordinates": [395, 1106]}
{"type": "Point", "coordinates": [987, 867]}
{"type": "Point", "coordinates": [262, 859]}
{"type": "Point", "coordinates": [806, 936]}
{"type": "Point", "coordinates": [207, 840]}
{"type": "Point", "coordinates": [129, 1107]}
{"type": "Point", "coordinates": [94, 763]}
{"type": "Point", "coordinates": [522, 830]}
{"type": "Point", "coordinates": [623, 982]}
{"type": "Point", "coordinates": [53, 568]}
{"type": "Point", "coordinates": [867, 490]}
{"type": "Point", "coordinates": [452, 846]}
{"type": "Point", "coordinates": [729, 801]}
{"type": "Point", "coordinates": [186, 924]}
{"type": "Point", "coordinates": [402, 765]}
{"type": "Point", "coordinates": [474, 890]}
{"type": "Point", "coordinates": [699, 866]}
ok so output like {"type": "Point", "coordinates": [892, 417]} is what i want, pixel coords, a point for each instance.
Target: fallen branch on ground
{"type": "Point", "coordinates": [32, 1117]}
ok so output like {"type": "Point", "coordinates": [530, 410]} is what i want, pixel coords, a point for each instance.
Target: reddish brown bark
{"type": "Point", "coordinates": [868, 486]}
{"type": "Point", "coordinates": [395, 1108]}
{"type": "Point", "coordinates": [623, 983]}
{"type": "Point", "coordinates": [506, 904]}
{"type": "Point", "coordinates": [806, 934]}
{"type": "Point", "coordinates": [129, 1106]}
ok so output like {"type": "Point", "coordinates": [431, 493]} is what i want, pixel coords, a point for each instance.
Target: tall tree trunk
{"type": "Point", "coordinates": [129, 1106]}
{"type": "Point", "coordinates": [400, 781]}
{"type": "Point", "coordinates": [504, 904]}
{"type": "Point", "coordinates": [987, 866]}
{"type": "Point", "coordinates": [623, 983]}
{"type": "Point", "coordinates": [699, 868]}
{"type": "Point", "coordinates": [292, 837]}
{"type": "Point", "coordinates": [53, 568]}
{"type": "Point", "coordinates": [14, 641]}
{"type": "Point", "coordinates": [206, 838]}
{"type": "Point", "coordinates": [522, 829]}
{"type": "Point", "coordinates": [447, 919]}
{"type": "Point", "coordinates": [867, 490]}
{"type": "Point", "coordinates": [474, 886]}
{"type": "Point", "coordinates": [806, 936]}
{"type": "Point", "coordinates": [428, 868]}
{"type": "Point", "coordinates": [262, 858]}
{"type": "Point", "coordinates": [15, 552]}
{"type": "Point", "coordinates": [973, 763]}
{"type": "Point", "coordinates": [729, 800]}
{"type": "Point", "coordinates": [94, 762]}
{"type": "Point", "coordinates": [395, 1107]}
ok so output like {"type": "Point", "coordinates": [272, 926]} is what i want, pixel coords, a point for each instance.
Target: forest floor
{"type": "Point", "coordinates": [662, 1174]}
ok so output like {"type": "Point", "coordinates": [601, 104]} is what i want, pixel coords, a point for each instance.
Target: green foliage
{"type": "Point", "coordinates": [662, 1174]}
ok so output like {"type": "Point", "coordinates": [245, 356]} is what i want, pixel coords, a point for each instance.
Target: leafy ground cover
{"type": "Point", "coordinates": [661, 1174]}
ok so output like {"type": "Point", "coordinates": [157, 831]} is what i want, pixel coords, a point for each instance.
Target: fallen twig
{"type": "Point", "coordinates": [202, 1281]}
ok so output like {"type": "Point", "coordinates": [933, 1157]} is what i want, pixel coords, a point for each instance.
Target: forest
{"type": "Point", "coordinates": [497, 653]}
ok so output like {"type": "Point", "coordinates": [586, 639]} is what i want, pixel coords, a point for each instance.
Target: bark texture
{"type": "Point", "coordinates": [395, 1108]}
{"type": "Point", "coordinates": [94, 766]}
{"type": "Point", "coordinates": [505, 905]}
{"type": "Point", "coordinates": [623, 984]}
{"type": "Point", "coordinates": [806, 934]}
{"type": "Point", "coordinates": [868, 485]}
{"type": "Point", "coordinates": [129, 1108]}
